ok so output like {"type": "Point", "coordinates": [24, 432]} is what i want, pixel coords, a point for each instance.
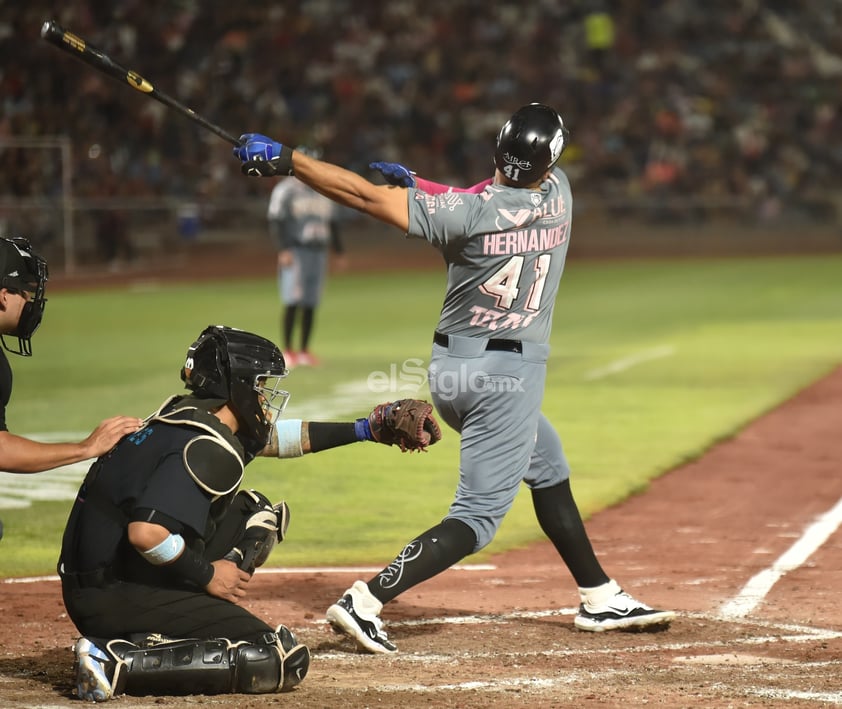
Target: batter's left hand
{"type": "Point", "coordinates": [394, 173]}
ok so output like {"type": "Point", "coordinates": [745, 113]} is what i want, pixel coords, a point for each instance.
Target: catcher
{"type": "Point", "coordinates": [161, 543]}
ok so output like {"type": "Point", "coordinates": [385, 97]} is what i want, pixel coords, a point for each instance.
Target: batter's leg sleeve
{"type": "Point", "coordinates": [559, 517]}
{"type": "Point", "coordinates": [434, 551]}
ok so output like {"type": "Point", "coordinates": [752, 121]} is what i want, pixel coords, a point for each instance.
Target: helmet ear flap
{"type": "Point", "coordinates": [205, 369]}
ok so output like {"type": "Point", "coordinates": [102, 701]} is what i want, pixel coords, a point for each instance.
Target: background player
{"type": "Point", "coordinates": [303, 225]}
{"type": "Point", "coordinates": [505, 250]}
{"type": "Point", "coordinates": [23, 281]}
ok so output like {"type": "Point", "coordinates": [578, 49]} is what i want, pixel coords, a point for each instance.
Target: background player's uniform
{"type": "Point", "coordinates": [304, 224]}
{"type": "Point", "coordinates": [505, 250]}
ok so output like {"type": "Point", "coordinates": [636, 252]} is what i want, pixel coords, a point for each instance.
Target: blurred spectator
{"type": "Point", "coordinates": [113, 239]}
{"type": "Point", "coordinates": [722, 101]}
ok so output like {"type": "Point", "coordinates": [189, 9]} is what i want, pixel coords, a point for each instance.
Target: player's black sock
{"type": "Point", "coordinates": [307, 317]}
{"type": "Point", "coordinates": [288, 324]}
{"type": "Point", "coordinates": [434, 551]}
{"type": "Point", "coordinates": [559, 517]}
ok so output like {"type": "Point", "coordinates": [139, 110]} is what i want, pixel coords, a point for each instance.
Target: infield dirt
{"type": "Point", "coordinates": [504, 637]}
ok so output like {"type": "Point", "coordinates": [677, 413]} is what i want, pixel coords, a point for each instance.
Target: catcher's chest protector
{"type": "Point", "coordinates": [214, 458]}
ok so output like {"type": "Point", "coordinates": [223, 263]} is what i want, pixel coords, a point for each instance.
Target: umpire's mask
{"type": "Point", "coordinates": [24, 272]}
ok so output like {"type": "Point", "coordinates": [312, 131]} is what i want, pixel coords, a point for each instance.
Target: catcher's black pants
{"type": "Point", "coordinates": [121, 609]}
{"type": "Point", "coordinates": [118, 609]}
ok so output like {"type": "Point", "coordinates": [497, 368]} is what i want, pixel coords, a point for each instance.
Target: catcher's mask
{"type": "Point", "coordinates": [245, 370]}
{"type": "Point", "coordinates": [24, 272]}
{"type": "Point", "coordinates": [530, 143]}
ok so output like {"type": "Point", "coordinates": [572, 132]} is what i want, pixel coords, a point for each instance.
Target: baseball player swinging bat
{"type": "Point", "coordinates": [86, 52]}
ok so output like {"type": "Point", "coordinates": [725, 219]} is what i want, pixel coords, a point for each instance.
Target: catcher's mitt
{"type": "Point", "coordinates": [408, 422]}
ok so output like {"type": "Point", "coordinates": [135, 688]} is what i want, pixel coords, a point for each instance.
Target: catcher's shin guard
{"type": "Point", "coordinates": [266, 526]}
{"type": "Point", "coordinates": [295, 658]}
{"type": "Point", "coordinates": [276, 662]}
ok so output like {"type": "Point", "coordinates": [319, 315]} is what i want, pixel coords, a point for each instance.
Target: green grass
{"type": "Point", "coordinates": [717, 343]}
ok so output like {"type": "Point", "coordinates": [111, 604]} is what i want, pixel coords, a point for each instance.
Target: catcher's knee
{"type": "Point", "coordinates": [266, 526]}
{"type": "Point", "coordinates": [277, 663]}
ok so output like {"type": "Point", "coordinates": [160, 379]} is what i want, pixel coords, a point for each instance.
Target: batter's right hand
{"type": "Point", "coordinates": [229, 581]}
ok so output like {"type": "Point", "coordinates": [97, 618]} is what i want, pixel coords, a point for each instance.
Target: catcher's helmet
{"type": "Point", "coordinates": [23, 271]}
{"type": "Point", "coordinates": [530, 143]}
{"type": "Point", "coordinates": [245, 370]}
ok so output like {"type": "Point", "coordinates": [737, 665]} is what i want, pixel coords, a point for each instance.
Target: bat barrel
{"type": "Point", "coordinates": [79, 48]}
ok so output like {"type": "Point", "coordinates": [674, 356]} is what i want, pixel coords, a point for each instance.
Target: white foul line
{"type": "Point", "coordinates": [620, 365]}
{"type": "Point", "coordinates": [756, 589]}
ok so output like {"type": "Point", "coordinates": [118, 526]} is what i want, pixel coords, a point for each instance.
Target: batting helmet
{"type": "Point", "coordinates": [530, 143]}
{"type": "Point", "coordinates": [23, 271]}
{"type": "Point", "coordinates": [245, 370]}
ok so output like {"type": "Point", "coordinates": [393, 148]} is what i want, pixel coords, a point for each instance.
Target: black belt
{"type": "Point", "coordinates": [98, 578]}
{"type": "Point", "coordinates": [493, 344]}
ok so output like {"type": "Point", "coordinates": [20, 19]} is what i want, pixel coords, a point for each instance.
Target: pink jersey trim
{"type": "Point", "coordinates": [437, 188]}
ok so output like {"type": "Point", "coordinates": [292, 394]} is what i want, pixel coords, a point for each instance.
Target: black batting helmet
{"type": "Point", "coordinates": [530, 143]}
{"type": "Point", "coordinates": [245, 370]}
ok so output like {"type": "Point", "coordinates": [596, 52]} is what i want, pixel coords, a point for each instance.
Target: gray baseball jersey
{"type": "Point", "coordinates": [505, 250]}
{"type": "Point", "coordinates": [306, 215]}
{"type": "Point", "coordinates": [303, 222]}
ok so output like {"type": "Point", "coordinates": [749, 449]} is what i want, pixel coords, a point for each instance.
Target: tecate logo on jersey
{"type": "Point", "coordinates": [512, 160]}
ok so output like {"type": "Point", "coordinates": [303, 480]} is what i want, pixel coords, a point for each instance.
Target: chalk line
{"type": "Point", "coordinates": [632, 360]}
{"type": "Point", "coordinates": [759, 585]}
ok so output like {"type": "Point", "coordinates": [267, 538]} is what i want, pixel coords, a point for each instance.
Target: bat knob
{"type": "Point", "coordinates": [51, 28]}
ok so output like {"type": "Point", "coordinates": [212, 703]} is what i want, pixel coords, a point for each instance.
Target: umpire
{"type": "Point", "coordinates": [23, 281]}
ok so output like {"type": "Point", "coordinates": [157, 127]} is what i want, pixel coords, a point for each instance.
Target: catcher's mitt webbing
{"type": "Point", "coordinates": [409, 423]}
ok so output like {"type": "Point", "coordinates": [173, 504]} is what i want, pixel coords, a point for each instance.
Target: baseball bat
{"type": "Point", "coordinates": [86, 52]}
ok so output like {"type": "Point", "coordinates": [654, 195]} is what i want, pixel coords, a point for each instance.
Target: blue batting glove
{"type": "Point", "coordinates": [394, 173]}
{"type": "Point", "coordinates": [254, 146]}
{"type": "Point", "coordinates": [263, 157]}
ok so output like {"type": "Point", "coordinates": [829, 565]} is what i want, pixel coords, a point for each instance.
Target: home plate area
{"type": "Point", "coordinates": [538, 659]}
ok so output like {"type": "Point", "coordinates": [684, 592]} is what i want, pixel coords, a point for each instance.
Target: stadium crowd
{"type": "Point", "coordinates": [722, 102]}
